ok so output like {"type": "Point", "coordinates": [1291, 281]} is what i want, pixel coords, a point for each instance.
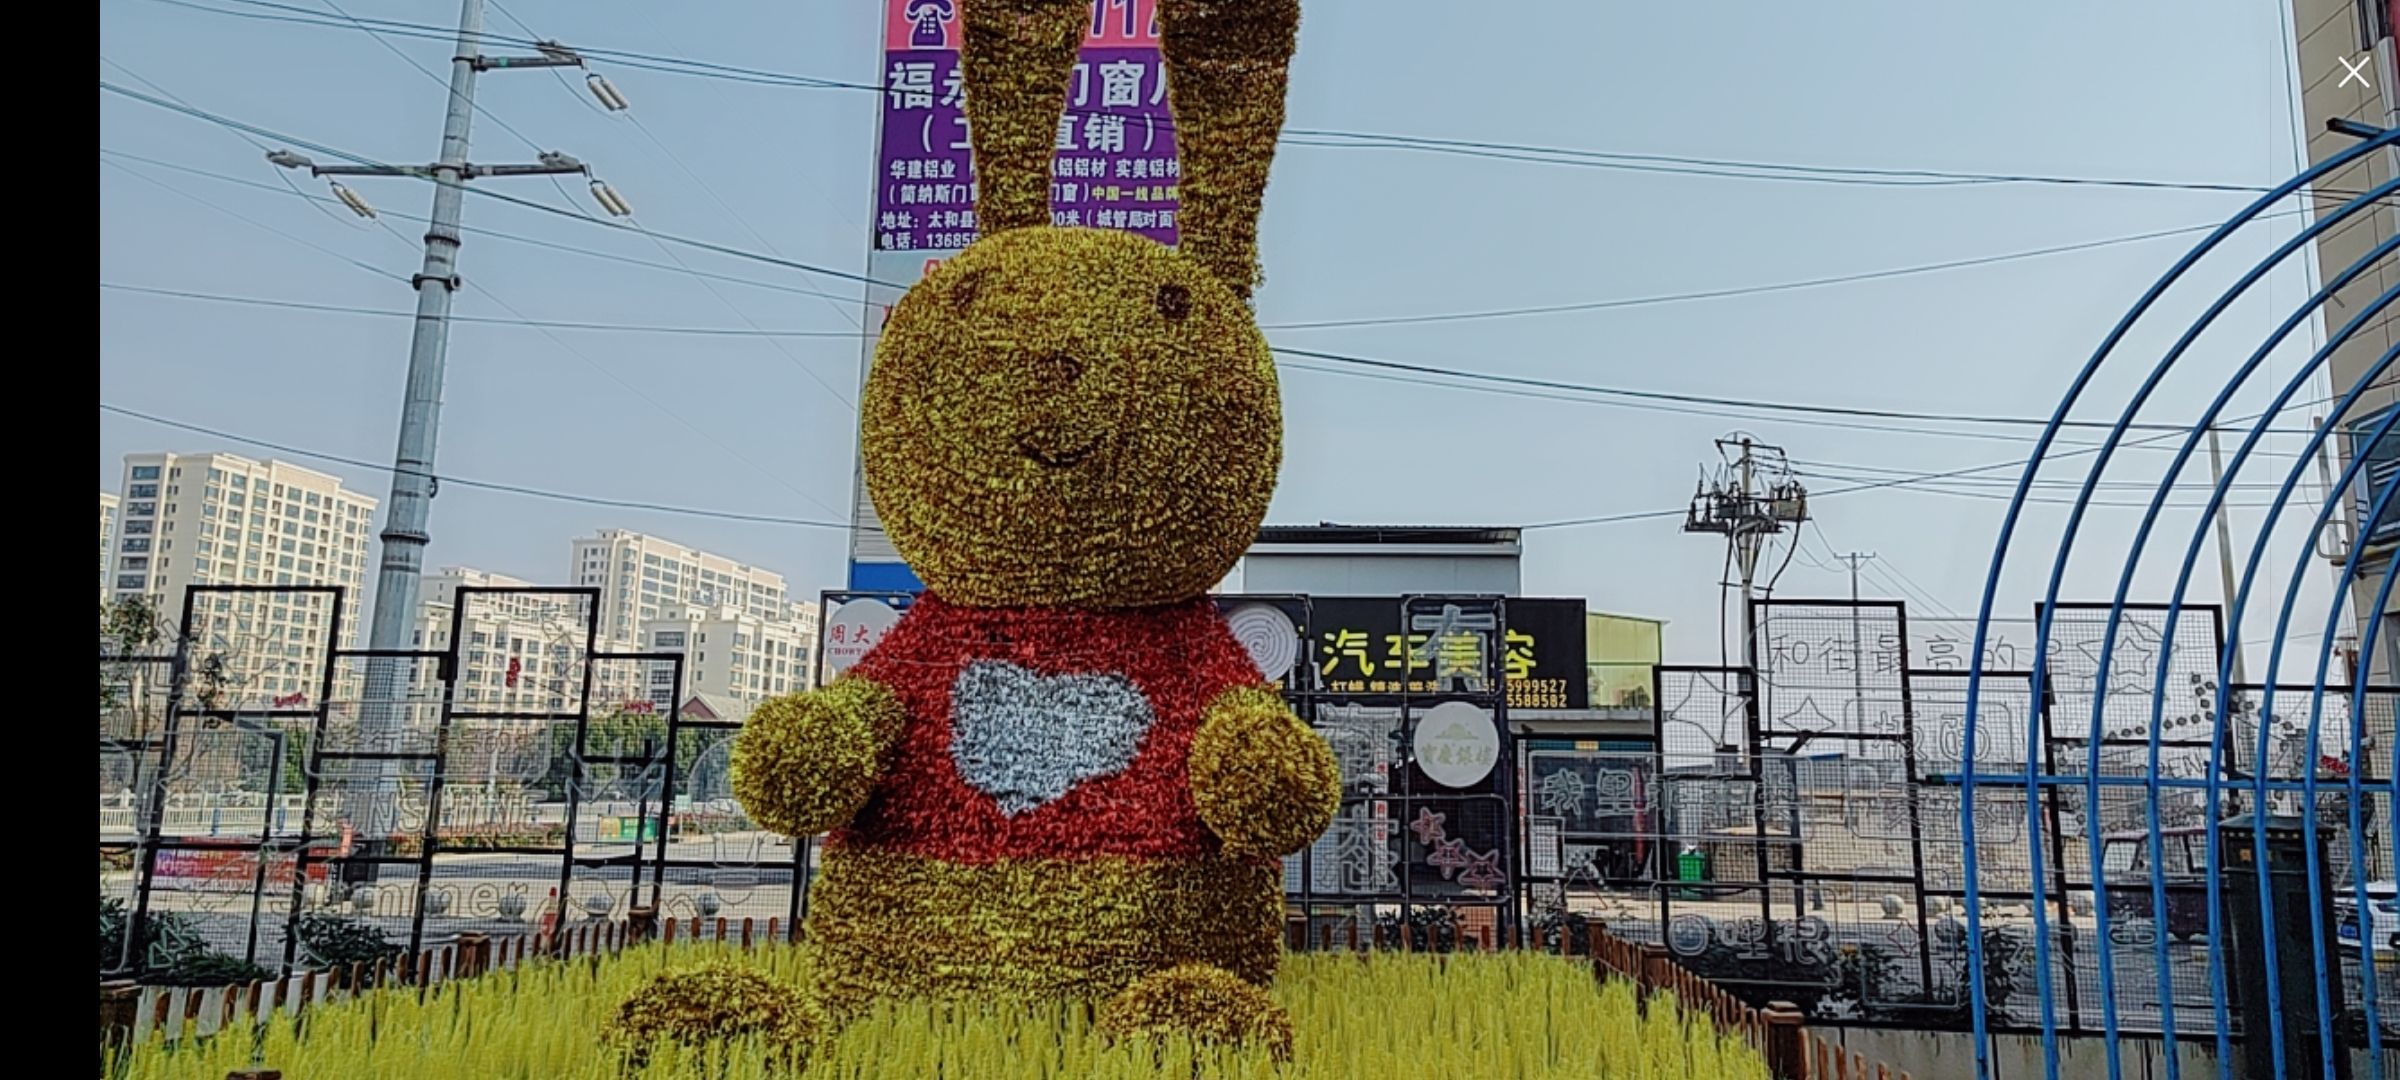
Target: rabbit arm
{"type": "Point", "coordinates": [806, 763]}
{"type": "Point", "coordinates": [1263, 781]}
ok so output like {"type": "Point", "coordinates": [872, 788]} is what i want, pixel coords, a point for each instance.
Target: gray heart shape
{"type": "Point", "coordinates": [1025, 738]}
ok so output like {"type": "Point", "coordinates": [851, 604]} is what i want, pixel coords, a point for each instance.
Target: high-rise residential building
{"type": "Point", "coordinates": [108, 527]}
{"type": "Point", "coordinates": [518, 653]}
{"type": "Point", "coordinates": [730, 654]}
{"type": "Point", "coordinates": [223, 519]}
{"type": "Point", "coordinates": [640, 577]}
{"type": "Point", "coordinates": [2347, 71]}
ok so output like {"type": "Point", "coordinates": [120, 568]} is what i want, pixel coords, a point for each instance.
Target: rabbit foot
{"type": "Point", "coordinates": [1207, 1003]}
{"type": "Point", "coordinates": [720, 1002]}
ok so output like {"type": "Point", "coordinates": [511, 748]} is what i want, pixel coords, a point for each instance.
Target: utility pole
{"type": "Point", "coordinates": [1858, 663]}
{"type": "Point", "coordinates": [1752, 496]}
{"type": "Point", "coordinates": [409, 509]}
{"type": "Point", "coordinates": [2233, 631]}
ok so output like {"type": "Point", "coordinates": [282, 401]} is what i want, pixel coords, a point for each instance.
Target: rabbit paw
{"type": "Point", "coordinates": [720, 1002]}
{"type": "Point", "coordinates": [805, 763]}
{"type": "Point", "coordinates": [1206, 1003]}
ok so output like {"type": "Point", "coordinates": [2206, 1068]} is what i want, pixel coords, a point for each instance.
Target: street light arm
{"type": "Point", "coordinates": [575, 169]}
{"type": "Point", "coordinates": [565, 167]}
{"type": "Point", "coordinates": [421, 172]}
{"type": "Point", "coordinates": [494, 63]}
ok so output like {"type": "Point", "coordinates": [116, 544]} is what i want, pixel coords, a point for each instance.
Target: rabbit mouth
{"type": "Point", "coordinates": [1055, 459]}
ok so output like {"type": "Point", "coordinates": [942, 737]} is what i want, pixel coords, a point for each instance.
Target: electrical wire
{"type": "Point", "coordinates": [1926, 484]}
{"type": "Point", "coordinates": [529, 323]}
{"type": "Point", "coordinates": [257, 224]}
{"type": "Point", "coordinates": [444, 83]}
{"type": "Point", "coordinates": [774, 476]}
{"type": "Point", "coordinates": [776, 260]}
{"type": "Point", "coordinates": [1708, 399]}
{"type": "Point", "coordinates": [772, 340]}
{"type": "Point", "coordinates": [475, 230]}
{"type": "Point", "coordinates": [469, 482]}
{"type": "Point", "coordinates": [486, 193]}
{"type": "Point", "coordinates": [2011, 482]}
{"type": "Point", "coordinates": [1595, 305]}
{"type": "Point", "coordinates": [264, 10]}
{"type": "Point", "coordinates": [1576, 307]}
{"type": "Point", "coordinates": [345, 219]}
{"type": "Point", "coordinates": [715, 331]}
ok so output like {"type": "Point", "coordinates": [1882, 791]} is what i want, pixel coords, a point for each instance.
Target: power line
{"type": "Point", "coordinates": [257, 224]}
{"type": "Point", "coordinates": [777, 260]}
{"type": "Point", "coordinates": [1750, 290]}
{"type": "Point", "coordinates": [1687, 165]}
{"type": "Point", "coordinates": [704, 283]}
{"type": "Point", "coordinates": [1518, 382]}
{"type": "Point", "coordinates": [474, 230]}
{"type": "Point", "coordinates": [529, 323]}
{"type": "Point", "coordinates": [467, 482]}
{"type": "Point", "coordinates": [498, 196]}
{"type": "Point", "coordinates": [1581, 306]}
{"type": "Point", "coordinates": [517, 320]}
{"type": "Point", "coordinates": [2010, 482]}
{"type": "Point", "coordinates": [1929, 484]}
{"type": "Point", "coordinates": [1707, 399]}
{"type": "Point", "coordinates": [444, 83]}
{"type": "Point", "coordinates": [718, 331]}
{"type": "Point", "coordinates": [772, 475]}
{"type": "Point", "coordinates": [1514, 391]}
{"type": "Point", "coordinates": [1673, 164]}
{"type": "Point", "coordinates": [318, 204]}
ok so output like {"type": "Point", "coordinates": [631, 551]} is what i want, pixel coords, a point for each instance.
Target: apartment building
{"type": "Point", "coordinates": [224, 519]}
{"type": "Point", "coordinates": [518, 653]}
{"type": "Point", "coordinates": [730, 654]}
{"type": "Point", "coordinates": [108, 528]}
{"type": "Point", "coordinates": [2346, 71]}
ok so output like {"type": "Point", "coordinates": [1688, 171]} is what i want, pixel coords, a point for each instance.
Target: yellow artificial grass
{"type": "Point", "coordinates": [1468, 1016]}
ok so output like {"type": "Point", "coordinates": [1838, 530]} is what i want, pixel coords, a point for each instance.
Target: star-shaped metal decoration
{"type": "Point", "coordinates": [1428, 827]}
{"type": "Point", "coordinates": [1483, 871]}
{"type": "Point", "coordinates": [1448, 856]}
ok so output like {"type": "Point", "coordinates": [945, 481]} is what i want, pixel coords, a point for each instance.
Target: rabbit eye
{"type": "Point", "coordinates": [1174, 302]}
{"type": "Point", "coordinates": [962, 294]}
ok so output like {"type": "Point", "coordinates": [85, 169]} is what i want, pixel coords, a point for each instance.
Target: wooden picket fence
{"type": "Point", "coordinates": [131, 1012]}
{"type": "Point", "coordinates": [1777, 1032]}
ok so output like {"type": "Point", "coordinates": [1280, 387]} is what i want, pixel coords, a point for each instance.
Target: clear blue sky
{"type": "Point", "coordinates": [2195, 91]}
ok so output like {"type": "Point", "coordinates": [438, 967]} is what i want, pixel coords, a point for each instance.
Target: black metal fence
{"type": "Point", "coordinates": [271, 800]}
{"type": "Point", "coordinates": [1793, 832]}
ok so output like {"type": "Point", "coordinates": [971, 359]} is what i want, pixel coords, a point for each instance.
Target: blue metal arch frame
{"type": "Point", "coordinates": [2033, 783]}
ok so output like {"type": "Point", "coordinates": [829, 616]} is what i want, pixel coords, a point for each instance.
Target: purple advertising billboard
{"type": "Point", "coordinates": [1115, 166]}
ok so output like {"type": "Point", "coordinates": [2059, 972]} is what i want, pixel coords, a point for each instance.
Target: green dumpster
{"type": "Point", "coordinates": [1691, 867]}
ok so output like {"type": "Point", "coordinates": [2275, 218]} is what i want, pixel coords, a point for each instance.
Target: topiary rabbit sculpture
{"type": "Point", "coordinates": [1059, 775]}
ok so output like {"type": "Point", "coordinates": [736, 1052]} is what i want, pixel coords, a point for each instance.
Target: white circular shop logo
{"type": "Point", "coordinates": [1268, 635]}
{"type": "Point", "coordinates": [1456, 744]}
{"type": "Point", "coordinates": [855, 629]}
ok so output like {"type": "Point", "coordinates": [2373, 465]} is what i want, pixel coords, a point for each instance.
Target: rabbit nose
{"type": "Point", "coordinates": [1059, 368]}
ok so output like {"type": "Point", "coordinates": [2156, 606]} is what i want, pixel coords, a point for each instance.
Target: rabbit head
{"type": "Point", "coordinates": [1085, 417]}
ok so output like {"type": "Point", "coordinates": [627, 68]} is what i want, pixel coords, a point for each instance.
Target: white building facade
{"type": "Point", "coordinates": [108, 528]}
{"type": "Point", "coordinates": [730, 654]}
{"type": "Point", "coordinates": [641, 576]}
{"type": "Point", "coordinates": [649, 583]}
{"type": "Point", "coordinates": [517, 653]}
{"type": "Point", "coordinates": [224, 519]}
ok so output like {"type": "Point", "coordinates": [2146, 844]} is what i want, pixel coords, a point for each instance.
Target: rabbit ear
{"type": "Point", "coordinates": [1228, 62]}
{"type": "Point", "coordinates": [1016, 57]}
